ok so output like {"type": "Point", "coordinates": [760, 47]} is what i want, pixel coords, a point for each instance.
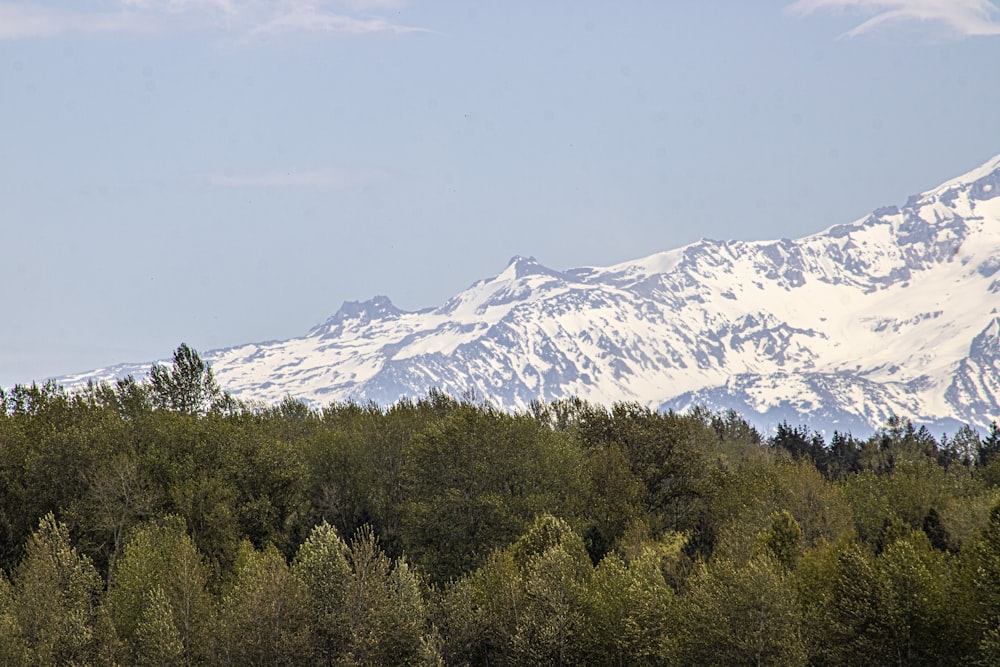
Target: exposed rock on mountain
{"type": "Point", "coordinates": [894, 313]}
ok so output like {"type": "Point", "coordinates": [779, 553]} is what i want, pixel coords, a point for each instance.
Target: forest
{"type": "Point", "coordinates": [162, 522]}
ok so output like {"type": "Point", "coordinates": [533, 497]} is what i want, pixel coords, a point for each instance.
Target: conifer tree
{"type": "Point", "coordinates": [989, 447]}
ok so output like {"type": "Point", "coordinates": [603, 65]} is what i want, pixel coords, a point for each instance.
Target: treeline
{"type": "Point", "coordinates": [164, 523]}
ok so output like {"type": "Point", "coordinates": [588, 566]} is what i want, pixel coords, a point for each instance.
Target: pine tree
{"type": "Point", "coordinates": [989, 447]}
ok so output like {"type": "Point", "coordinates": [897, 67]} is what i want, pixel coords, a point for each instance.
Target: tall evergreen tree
{"type": "Point", "coordinates": [989, 447]}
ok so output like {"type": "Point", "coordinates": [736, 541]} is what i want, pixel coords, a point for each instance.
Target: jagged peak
{"type": "Point", "coordinates": [520, 259]}
{"type": "Point", "coordinates": [983, 182]}
{"type": "Point", "coordinates": [520, 267]}
{"type": "Point", "coordinates": [377, 308]}
{"type": "Point", "coordinates": [991, 331]}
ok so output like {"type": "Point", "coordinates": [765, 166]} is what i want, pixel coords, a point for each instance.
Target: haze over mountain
{"type": "Point", "coordinates": [896, 313]}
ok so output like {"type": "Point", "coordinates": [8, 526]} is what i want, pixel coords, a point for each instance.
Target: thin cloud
{"type": "Point", "coordinates": [243, 18]}
{"type": "Point", "coordinates": [31, 21]}
{"type": "Point", "coordinates": [371, 5]}
{"type": "Point", "coordinates": [322, 22]}
{"type": "Point", "coordinates": [327, 178]}
{"type": "Point", "coordinates": [178, 6]}
{"type": "Point", "coordinates": [962, 18]}
{"type": "Point", "coordinates": [318, 16]}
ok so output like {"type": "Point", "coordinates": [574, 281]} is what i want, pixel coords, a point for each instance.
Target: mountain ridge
{"type": "Point", "coordinates": [889, 314]}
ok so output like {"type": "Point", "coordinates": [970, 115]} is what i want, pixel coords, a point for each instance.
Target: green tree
{"type": "Point", "coordinates": [157, 642]}
{"type": "Point", "coordinates": [457, 620]}
{"type": "Point", "coordinates": [555, 570]}
{"type": "Point", "coordinates": [629, 611]}
{"type": "Point", "coordinates": [978, 575]}
{"type": "Point", "coordinates": [322, 567]}
{"type": "Point", "coordinates": [476, 479]}
{"type": "Point", "coordinates": [989, 447]}
{"type": "Point", "coordinates": [963, 447]}
{"type": "Point", "coordinates": [801, 443]}
{"type": "Point", "coordinates": [187, 386]}
{"type": "Point", "coordinates": [742, 506]}
{"type": "Point", "coordinates": [618, 498]}
{"type": "Point", "coordinates": [550, 626]}
{"type": "Point", "coordinates": [817, 504]}
{"type": "Point", "coordinates": [742, 615]}
{"type": "Point", "coordinates": [604, 634]}
{"type": "Point", "coordinates": [670, 454]}
{"type": "Point", "coordinates": [385, 608]}
{"type": "Point", "coordinates": [160, 565]}
{"type": "Point", "coordinates": [896, 441]}
{"type": "Point", "coordinates": [14, 650]}
{"type": "Point", "coordinates": [784, 539]}
{"type": "Point", "coordinates": [56, 599]}
{"type": "Point", "coordinates": [860, 617]}
{"type": "Point", "coordinates": [264, 612]}
{"type": "Point", "coordinates": [916, 579]}
{"type": "Point", "coordinates": [988, 653]}
{"type": "Point", "coordinates": [494, 605]}
{"type": "Point", "coordinates": [117, 497]}
{"type": "Point", "coordinates": [815, 579]}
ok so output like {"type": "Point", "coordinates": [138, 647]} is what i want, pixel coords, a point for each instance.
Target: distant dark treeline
{"type": "Point", "coordinates": [164, 523]}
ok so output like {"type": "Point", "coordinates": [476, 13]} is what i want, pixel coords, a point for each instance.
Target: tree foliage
{"type": "Point", "coordinates": [196, 530]}
{"type": "Point", "coordinates": [187, 386]}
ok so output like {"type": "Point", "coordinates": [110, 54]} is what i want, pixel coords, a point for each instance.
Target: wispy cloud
{"type": "Point", "coordinates": [20, 20]}
{"type": "Point", "coordinates": [26, 19]}
{"type": "Point", "coordinates": [962, 18]}
{"type": "Point", "coordinates": [318, 21]}
{"type": "Point", "coordinates": [326, 178]}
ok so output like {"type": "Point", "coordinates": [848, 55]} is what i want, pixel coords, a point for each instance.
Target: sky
{"type": "Point", "coordinates": [219, 172]}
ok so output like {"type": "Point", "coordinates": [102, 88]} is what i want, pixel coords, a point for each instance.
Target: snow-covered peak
{"type": "Point", "coordinates": [640, 269]}
{"type": "Point", "coordinates": [521, 267]}
{"type": "Point", "coordinates": [895, 313]}
{"type": "Point", "coordinates": [359, 313]}
{"type": "Point", "coordinates": [983, 182]}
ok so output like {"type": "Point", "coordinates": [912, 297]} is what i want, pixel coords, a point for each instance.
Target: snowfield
{"type": "Point", "coordinates": [896, 313]}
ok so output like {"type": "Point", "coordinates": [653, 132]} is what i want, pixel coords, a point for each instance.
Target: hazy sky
{"type": "Point", "coordinates": [226, 171]}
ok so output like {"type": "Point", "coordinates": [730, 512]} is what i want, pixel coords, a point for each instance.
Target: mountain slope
{"type": "Point", "coordinates": [894, 313]}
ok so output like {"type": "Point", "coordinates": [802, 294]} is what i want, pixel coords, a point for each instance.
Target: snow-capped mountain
{"type": "Point", "coordinates": [896, 313]}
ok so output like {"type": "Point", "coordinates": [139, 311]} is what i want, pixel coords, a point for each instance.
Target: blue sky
{"type": "Point", "coordinates": [225, 171]}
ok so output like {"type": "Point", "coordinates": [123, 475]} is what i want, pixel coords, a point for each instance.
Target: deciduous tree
{"type": "Point", "coordinates": [188, 385]}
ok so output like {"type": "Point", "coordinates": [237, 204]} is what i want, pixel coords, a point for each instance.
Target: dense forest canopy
{"type": "Point", "coordinates": [162, 522]}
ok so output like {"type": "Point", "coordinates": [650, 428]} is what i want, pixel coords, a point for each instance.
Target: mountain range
{"type": "Point", "coordinates": [895, 313]}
